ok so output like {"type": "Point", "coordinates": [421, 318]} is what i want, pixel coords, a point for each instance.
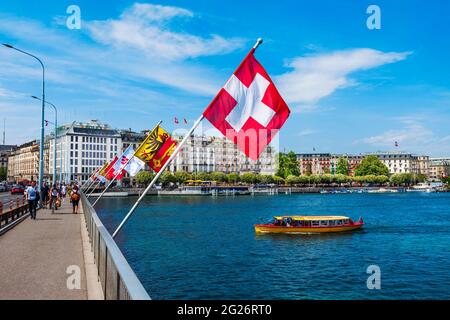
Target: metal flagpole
{"type": "Point", "coordinates": [178, 148]}
{"type": "Point", "coordinates": [163, 168]}
{"type": "Point", "coordinates": [88, 181]}
{"type": "Point", "coordinates": [122, 168]}
{"type": "Point", "coordinates": [94, 184]}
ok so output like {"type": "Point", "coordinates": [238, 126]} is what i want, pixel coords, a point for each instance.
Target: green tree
{"type": "Point", "coordinates": [143, 178]}
{"type": "Point", "coordinates": [278, 180]}
{"type": "Point", "coordinates": [291, 180]}
{"type": "Point", "coordinates": [204, 176]}
{"type": "Point", "coordinates": [250, 178]}
{"type": "Point", "coordinates": [287, 164]}
{"type": "Point", "coordinates": [371, 165]}
{"type": "Point", "coordinates": [181, 176]}
{"type": "Point", "coordinates": [342, 167]}
{"type": "Point", "coordinates": [267, 179]}
{"type": "Point", "coordinates": [3, 173]}
{"type": "Point", "coordinates": [166, 178]}
{"type": "Point", "coordinates": [233, 178]}
{"type": "Point", "coordinates": [218, 176]}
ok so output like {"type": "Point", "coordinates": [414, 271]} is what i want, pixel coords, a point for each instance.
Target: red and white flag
{"type": "Point", "coordinates": [249, 109]}
{"type": "Point", "coordinates": [128, 162]}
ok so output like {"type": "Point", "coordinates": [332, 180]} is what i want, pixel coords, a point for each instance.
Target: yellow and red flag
{"type": "Point", "coordinates": [156, 149]}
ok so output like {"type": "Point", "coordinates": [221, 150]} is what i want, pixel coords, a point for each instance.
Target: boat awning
{"type": "Point", "coordinates": [311, 218]}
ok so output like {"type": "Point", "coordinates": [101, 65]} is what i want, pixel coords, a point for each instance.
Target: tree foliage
{"type": "Point", "coordinates": [3, 173]}
{"type": "Point", "coordinates": [371, 165]}
{"type": "Point", "coordinates": [143, 178]}
{"type": "Point", "coordinates": [287, 165]}
{"type": "Point", "coordinates": [342, 167]}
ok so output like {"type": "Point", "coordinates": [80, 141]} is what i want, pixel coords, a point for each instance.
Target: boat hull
{"type": "Point", "coordinates": [262, 228]}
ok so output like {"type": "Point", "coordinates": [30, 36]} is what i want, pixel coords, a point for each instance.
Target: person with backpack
{"type": "Point", "coordinates": [54, 196]}
{"type": "Point", "coordinates": [31, 196]}
{"type": "Point", "coordinates": [75, 198]}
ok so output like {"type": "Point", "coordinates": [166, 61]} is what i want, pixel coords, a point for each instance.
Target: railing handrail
{"type": "Point", "coordinates": [131, 282]}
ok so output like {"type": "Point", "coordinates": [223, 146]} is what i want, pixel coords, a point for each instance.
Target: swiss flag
{"type": "Point", "coordinates": [248, 109]}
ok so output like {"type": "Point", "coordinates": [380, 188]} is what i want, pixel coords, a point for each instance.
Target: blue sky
{"type": "Point", "coordinates": [131, 64]}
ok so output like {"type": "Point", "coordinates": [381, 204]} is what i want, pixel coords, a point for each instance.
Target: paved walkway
{"type": "Point", "coordinates": [35, 255]}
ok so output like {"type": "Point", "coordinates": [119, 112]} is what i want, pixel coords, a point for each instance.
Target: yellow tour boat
{"type": "Point", "coordinates": [309, 224]}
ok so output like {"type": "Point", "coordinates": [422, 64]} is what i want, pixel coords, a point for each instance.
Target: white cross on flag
{"type": "Point", "coordinates": [248, 110]}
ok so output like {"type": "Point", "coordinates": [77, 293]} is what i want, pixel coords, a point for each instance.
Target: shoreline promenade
{"type": "Point", "coordinates": [36, 254]}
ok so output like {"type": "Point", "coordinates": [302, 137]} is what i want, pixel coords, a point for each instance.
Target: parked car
{"type": "Point", "coordinates": [3, 187]}
{"type": "Point", "coordinates": [17, 189]}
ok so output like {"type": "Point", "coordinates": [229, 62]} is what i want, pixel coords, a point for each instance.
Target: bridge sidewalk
{"type": "Point", "coordinates": [35, 255]}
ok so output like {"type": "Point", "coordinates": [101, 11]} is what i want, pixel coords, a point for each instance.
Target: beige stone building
{"type": "Point", "coordinates": [23, 162]}
{"type": "Point", "coordinates": [219, 154]}
{"type": "Point", "coordinates": [438, 168]}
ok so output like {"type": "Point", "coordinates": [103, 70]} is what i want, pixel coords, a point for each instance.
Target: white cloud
{"type": "Point", "coordinates": [147, 27]}
{"type": "Point", "coordinates": [306, 132]}
{"type": "Point", "coordinates": [412, 135]}
{"type": "Point", "coordinates": [315, 77]}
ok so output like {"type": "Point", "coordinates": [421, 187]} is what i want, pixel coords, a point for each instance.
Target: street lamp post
{"type": "Point", "coordinates": [56, 137]}
{"type": "Point", "coordinates": [41, 146]}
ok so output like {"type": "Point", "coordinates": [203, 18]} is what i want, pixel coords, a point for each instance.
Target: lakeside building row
{"type": "Point", "coordinates": [83, 147]}
{"type": "Point", "coordinates": [396, 162]}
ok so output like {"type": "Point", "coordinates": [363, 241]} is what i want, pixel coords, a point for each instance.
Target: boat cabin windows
{"type": "Point", "coordinates": [315, 223]}
{"type": "Point", "coordinates": [339, 222]}
{"type": "Point", "coordinates": [332, 223]}
{"type": "Point", "coordinates": [324, 223]}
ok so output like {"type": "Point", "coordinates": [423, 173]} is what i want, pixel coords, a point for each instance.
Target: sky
{"type": "Point", "coordinates": [350, 89]}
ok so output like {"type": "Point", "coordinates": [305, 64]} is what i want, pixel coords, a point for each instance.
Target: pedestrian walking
{"type": "Point", "coordinates": [54, 196]}
{"type": "Point", "coordinates": [31, 196]}
{"type": "Point", "coordinates": [63, 191]}
{"type": "Point", "coordinates": [44, 195]}
{"type": "Point", "coordinates": [75, 198]}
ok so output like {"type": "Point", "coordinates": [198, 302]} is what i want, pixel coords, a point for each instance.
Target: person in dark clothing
{"type": "Point", "coordinates": [44, 195]}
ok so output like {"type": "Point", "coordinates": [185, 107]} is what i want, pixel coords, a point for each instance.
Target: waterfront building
{"type": "Point", "coordinates": [399, 162]}
{"type": "Point", "coordinates": [83, 147]}
{"type": "Point", "coordinates": [219, 154]}
{"type": "Point", "coordinates": [23, 162]}
{"type": "Point", "coordinates": [438, 168]}
{"type": "Point", "coordinates": [134, 139]}
{"type": "Point", "coordinates": [352, 160]}
{"type": "Point", "coordinates": [5, 151]}
{"type": "Point", "coordinates": [314, 163]}
{"type": "Point", "coordinates": [423, 162]}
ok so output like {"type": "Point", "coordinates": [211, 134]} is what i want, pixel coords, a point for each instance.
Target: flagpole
{"type": "Point", "coordinates": [122, 168]}
{"type": "Point", "coordinates": [94, 184]}
{"type": "Point", "coordinates": [163, 168]}
{"type": "Point", "coordinates": [92, 180]}
{"type": "Point", "coordinates": [174, 154]}
{"type": "Point", "coordinates": [106, 174]}
{"type": "Point", "coordinates": [88, 181]}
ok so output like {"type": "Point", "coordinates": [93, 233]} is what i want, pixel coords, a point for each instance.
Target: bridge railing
{"type": "Point", "coordinates": [12, 212]}
{"type": "Point", "coordinates": [118, 280]}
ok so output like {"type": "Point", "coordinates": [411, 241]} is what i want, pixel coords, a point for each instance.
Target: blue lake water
{"type": "Point", "coordinates": [206, 248]}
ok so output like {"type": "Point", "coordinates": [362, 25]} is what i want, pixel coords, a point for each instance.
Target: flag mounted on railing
{"type": "Point", "coordinates": [110, 170]}
{"type": "Point", "coordinates": [129, 163]}
{"type": "Point", "coordinates": [101, 175]}
{"type": "Point", "coordinates": [248, 110]}
{"type": "Point", "coordinates": [156, 148]}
